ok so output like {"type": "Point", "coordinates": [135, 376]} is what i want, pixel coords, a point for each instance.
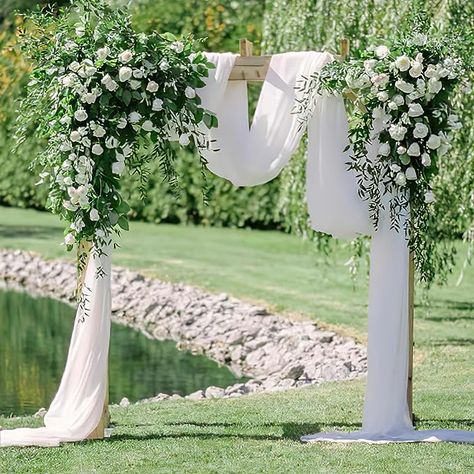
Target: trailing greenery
{"type": "Point", "coordinates": [315, 24]}
{"type": "Point", "coordinates": [98, 93]}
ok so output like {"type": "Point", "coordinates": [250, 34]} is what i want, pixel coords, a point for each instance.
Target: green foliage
{"type": "Point", "coordinates": [316, 24]}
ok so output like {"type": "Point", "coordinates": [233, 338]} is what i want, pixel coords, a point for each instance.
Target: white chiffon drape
{"type": "Point", "coordinates": [248, 156]}
{"type": "Point", "coordinates": [77, 407]}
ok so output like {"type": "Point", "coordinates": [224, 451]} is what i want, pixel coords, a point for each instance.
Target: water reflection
{"type": "Point", "coordinates": [34, 338]}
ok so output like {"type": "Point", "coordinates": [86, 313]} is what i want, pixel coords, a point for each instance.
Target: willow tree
{"type": "Point", "coordinates": [319, 24]}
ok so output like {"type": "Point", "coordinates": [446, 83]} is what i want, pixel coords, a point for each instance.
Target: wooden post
{"type": "Point", "coordinates": [246, 47]}
{"type": "Point", "coordinates": [99, 431]}
{"type": "Point", "coordinates": [411, 315]}
{"type": "Point", "coordinates": [84, 251]}
{"type": "Point", "coordinates": [344, 46]}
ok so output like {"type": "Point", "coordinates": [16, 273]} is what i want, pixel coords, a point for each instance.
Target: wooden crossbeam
{"type": "Point", "coordinates": [254, 68]}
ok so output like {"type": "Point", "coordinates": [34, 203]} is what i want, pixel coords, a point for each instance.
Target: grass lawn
{"type": "Point", "coordinates": [260, 433]}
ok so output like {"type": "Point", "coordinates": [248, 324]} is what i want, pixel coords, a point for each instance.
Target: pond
{"type": "Point", "coordinates": [34, 339]}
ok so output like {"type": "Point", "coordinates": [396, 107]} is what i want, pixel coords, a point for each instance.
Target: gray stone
{"type": "Point", "coordinates": [214, 392]}
{"type": "Point", "coordinates": [272, 351]}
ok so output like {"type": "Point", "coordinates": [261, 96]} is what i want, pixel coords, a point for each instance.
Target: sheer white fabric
{"type": "Point", "coordinates": [250, 157]}
{"type": "Point", "coordinates": [77, 407]}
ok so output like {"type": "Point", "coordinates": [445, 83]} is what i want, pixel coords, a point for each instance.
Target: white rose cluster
{"type": "Point", "coordinates": [106, 98]}
{"type": "Point", "coordinates": [406, 87]}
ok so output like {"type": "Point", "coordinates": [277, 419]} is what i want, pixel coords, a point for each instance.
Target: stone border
{"type": "Point", "coordinates": [274, 352]}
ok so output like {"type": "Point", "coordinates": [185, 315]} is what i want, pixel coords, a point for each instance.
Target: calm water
{"type": "Point", "coordinates": [34, 338]}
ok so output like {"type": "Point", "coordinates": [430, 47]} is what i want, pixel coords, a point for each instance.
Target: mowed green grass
{"type": "Point", "coordinates": [261, 433]}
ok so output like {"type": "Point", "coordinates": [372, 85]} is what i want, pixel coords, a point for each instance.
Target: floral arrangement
{"type": "Point", "coordinates": [106, 98]}
{"type": "Point", "coordinates": [402, 105]}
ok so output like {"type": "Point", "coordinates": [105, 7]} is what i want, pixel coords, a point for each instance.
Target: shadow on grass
{"type": "Point", "coordinates": [289, 431]}
{"type": "Point", "coordinates": [39, 232]}
{"type": "Point", "coordinates": [453, 342]}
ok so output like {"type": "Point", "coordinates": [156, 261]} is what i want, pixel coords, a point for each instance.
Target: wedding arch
{"type": "Point", "coordinates": [164, 90]}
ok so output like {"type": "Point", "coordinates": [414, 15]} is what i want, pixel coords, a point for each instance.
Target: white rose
{"type": "Point", "coordinates": [89, 98]}
{"type": "Point", "coordinates": [80, 115]}
{"type": "Point", "coordinates": [164, 65]}
{"type": "Point", "coordinates": [380, 80]}
{"type": "Point", "coordinates": [152, 86]}
{"type": "Point", "coordinates": [80, 30]}
{"type": "Point", "coordinates": [125, 56]}
{"type": "Point", "coordinates": [415, 110]}
{"type": "Point", "coordinates": [434, 85]}
{"type": "Point", "coordinates": [106, 79]}
{"type": "Point", "coordinates": [369, 64]}
{"type": "Point", "coordinates": [398, 99]}
{"type": "Point", "coordinates": [74, 66]}
{"type": "Point", "coordinates": [67, 181]}
{"type": "Point", "coordinates": [97, 149]}
{"type": "Point", "coordinates": [75, 136]}
{"type": "Point", "coordinates": [89, 70]}
{"type": "Point", "coordinates": [147, 125]}
{"type": "Point", "coordinates": [99, 132]}
{"type": "Point", "coordinates": [157, 105]}
{"type": "Point", "coordinates": [410, 173]}
{"type": "Point", "coordinates": [382, 52]}
{"type": "Point", "coordinates": [69, 239]}
{"type": "Point", "coordinates": [94, 215]}
{"type": "Point", "coordinates": [401, 150]}
{"type": "Point", "coordinates": [384, 149]}
{"type": "Point", "coordinates": [395, 168]}
{"type": "Point", "coordinates": [397, 132]}
{"type": "Point", "coordinates": [416, 69]}
{"type": "Point", "coordinates": [112, 86]}
{"type": "Point", "coordinates": [443, 72]}
{"type": "Point", "coordinates": [102, 53]}
{"type": "Point", "coordinates": [70, 45]}
{"type": "Point", "coordinates": [401, 179]}
{"type": "Point", "coordinates": [118, 167]}
{"type": "Point", "coordinates": [122, 123]}
{"type": "Point", "coordinates": [420, 131]}
{"type": "Point", "coordinates": [184, 140]}
{"type": "Point", "coordinates": [134, 117]}
{"type": "Point", "coordinates": [404, 86]}
{"type": "Point", "coordinates": [125, 73]}
{"type": "Point", "coordinates": [429, 197]}
{"type": "Point", "coordinates": [425, 159]}
{"type": "Point", "coordinates": [69, 206]}
{"type": "Point", "coordinates": [177, 46]}
{"type": "Point", "coordinates": [382, 96]}
{"type": "Point", "coordinates": [403, 63]}
{"type": "Point", "coordinates": [430, 71]}
{"type": "Point", "coordinates": [433, 142]}
{"type": "Point", "coordinates": [69, 80]}
{"type": "Point", "coordinates": [66, 120]}
{"type": "Point", "coordinates": [138, 73]}
{"type": "Point", "coordinates": [420, 85]}
{"type": "Point", "coordinates": [414, 149]}
{"type": "Point", "coordinates": [111, 142]}
{"type": "Point", "coordinates": [190, 93]}
{"type": "Point", "coordinates": [392, 105]}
